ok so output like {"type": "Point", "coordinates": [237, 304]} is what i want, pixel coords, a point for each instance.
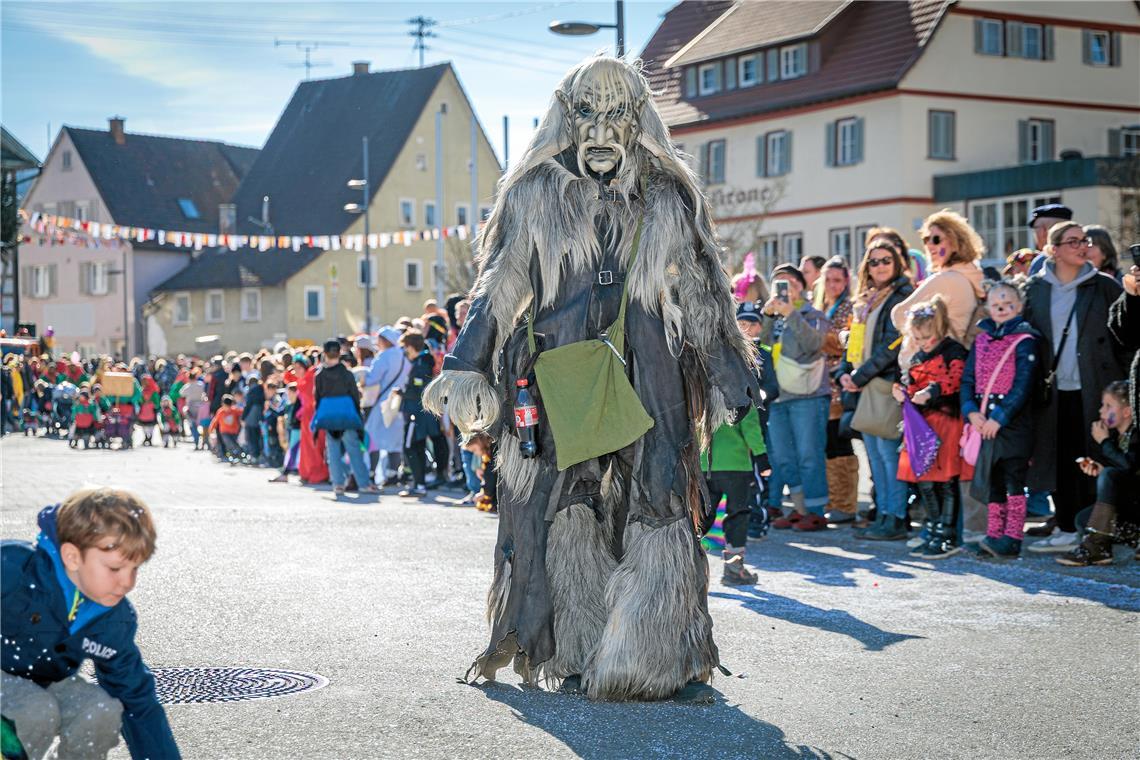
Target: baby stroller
{"type": "Point", "coordinates": [118, 425]}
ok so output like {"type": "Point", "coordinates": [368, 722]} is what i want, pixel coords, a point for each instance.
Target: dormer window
{"type": "Point", "coordinates": [189, 210]}
{"type": "Point", "coordinates": [709, 78]}
{"type": "Point", "coordinates": [749, 70]}
{"type": "Point", "coordinates": [793, 61]}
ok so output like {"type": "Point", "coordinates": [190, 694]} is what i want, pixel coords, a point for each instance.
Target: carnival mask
{"type": "Point", "coordinates": [603, 115]}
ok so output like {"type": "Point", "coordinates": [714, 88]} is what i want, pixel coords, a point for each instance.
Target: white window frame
{"type": "Point", "coordinates": [778, 162]}
{"type": "Point", "coordinates": [1034, 133]}
{"type": "Point", "coordinates": [714, 86]}
{"type": "Point", "coordinates": [182, 297]}
{"type": "Point", "coordinates": [1130, 141]}
{"type": "Point", "coordinates": [83, 211]}
{"type": "Point", "coordinates": [99, 282]}
{"type": "Point", "coordinates": [769, 252]}
{"type": "Point", "coordinates": [406, 219]}
{"type": "Point", "coordinates": [839, 242]}
{"type": "Point", "coordinates": [371, 270]}
{"type": "Point", "coordinates": [462, 214]}
{"type": "Point", "coordinates": [41, 282]}
{"type": "Point", "coordinates": [1105, 48]}
{"type": "Point", "coordinates": [320, 291]}
{"type": "Point", "coordinates": [221, 317]}
{"type": "Point", "coordinates": [245, 315]}
{"type": "Point", "coordinates": [792, 246]}
{"type": "Point", "coordinates": [846, 142]}
{"type": "Point", "coordinates": [430, 219]}
{"type": "Point", "coordinates": [416, 283]}
{"type": "Point", "coordinates": [995, 246]}
{"type": "Point", "coordinates": [745, 81]}
{"type": "Point", "coordinates": [993, 29]}
{"type": "Point", "coordinates": [793, 61]}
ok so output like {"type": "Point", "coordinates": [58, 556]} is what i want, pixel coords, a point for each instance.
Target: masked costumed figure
{"type": "Point", "coordinates": [600, 284]}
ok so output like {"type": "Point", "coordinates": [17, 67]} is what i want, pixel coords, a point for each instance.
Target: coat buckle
{"type": "Point", "coordinates": [605, 277]}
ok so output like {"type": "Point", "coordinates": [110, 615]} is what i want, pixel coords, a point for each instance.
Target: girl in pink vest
{"type": "Point", "coordinates": [1000, 378]}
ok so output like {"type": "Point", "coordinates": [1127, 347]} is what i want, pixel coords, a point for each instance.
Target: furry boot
{"type": "Point", "coordinates": [843, 483]}
{"type": "Point", "coordinates": [1015, 516]}
{"type": "Point", "coordinates": [996, 520]}
{"type": "Point", "coordinates": [658, 636]}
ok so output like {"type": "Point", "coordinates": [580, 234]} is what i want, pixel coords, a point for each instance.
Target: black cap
{"type": "Point", "coordinates": [1051, 211]}
{"type": "Point", "coordinates": [791, 270]}
{"type": "Point", "coordinates": [747, 312]}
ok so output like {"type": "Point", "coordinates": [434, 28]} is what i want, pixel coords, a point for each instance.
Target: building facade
{"type": "Point", "coordinates": [812, 122]}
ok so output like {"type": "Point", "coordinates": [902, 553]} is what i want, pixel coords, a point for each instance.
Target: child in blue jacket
{"type": "Point", "coordinates": [64, 601]}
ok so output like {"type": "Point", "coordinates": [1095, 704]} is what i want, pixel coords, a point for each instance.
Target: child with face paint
{"type": "Point", "coordinates": [1116, 486]}
{"type": "Point", "coordinates": [931, 382]}
{"type": "Point", "coordinates": [1000, 371]}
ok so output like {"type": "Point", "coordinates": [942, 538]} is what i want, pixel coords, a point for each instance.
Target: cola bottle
{"type": "Point", "coordinates": [526, 420]}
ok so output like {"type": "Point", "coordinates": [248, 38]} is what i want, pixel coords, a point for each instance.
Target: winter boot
{"type": "Point", "coordinates": [889, 528]}
{"type": "Point", "coordinates": [944, 542]}
{"type": "Point", "coordinates": [1095, 549]}
{"type": "Point", "coordinates": [1003, 547]}
{"type": "Point", "coordinates": [735, 573]}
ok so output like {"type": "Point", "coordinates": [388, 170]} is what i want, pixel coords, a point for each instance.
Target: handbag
{"type": "Point", "coordinates": [588, 400]}
{"type": "Point", "coordinates": [391, 409]}
{"type": "Point", "coordinates": [1045, 394]}
{"type": "Point", "coordinates": [798, 378]}
{"type": "Point", "coordinates": [970, 444]}
{"type": "Point", "coordinates": [877, 412]}
{"type": "Point", "coordinates": [370, 397]}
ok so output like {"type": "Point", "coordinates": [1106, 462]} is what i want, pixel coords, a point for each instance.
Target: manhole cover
{"type": "Point", "coordinates": [181, 686]}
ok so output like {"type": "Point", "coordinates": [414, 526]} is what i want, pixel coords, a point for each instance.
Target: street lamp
{"type": "Point", "coordinates": [582, 28]}
{"type": "Point", "coordinates": [356, 208]}
{"type": "Point", "coordinates": [122, 272]}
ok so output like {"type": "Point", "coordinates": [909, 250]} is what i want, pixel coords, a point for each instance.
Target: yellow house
{"type": "Point", "coordinates": [300, 187]}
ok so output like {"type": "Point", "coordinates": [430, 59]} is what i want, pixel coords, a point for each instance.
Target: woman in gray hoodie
{"type": "Point", "coordinates": [1068, 303]}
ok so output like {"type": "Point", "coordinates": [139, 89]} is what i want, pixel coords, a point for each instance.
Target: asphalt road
{"type": "Point", "coordinates": [845, 649]}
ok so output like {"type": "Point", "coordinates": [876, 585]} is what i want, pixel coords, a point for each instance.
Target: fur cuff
{"type": "Point", "coordinates": [468, 397]}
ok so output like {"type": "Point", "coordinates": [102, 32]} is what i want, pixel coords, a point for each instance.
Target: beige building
{"type": "Point", "coordinates": [812, 122]}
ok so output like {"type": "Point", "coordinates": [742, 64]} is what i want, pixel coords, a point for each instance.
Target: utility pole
{"type": "Point", "coordinates": [440, 267]}
{"type": "Point", "coordinates": [421, 32]}
{"type": "Point", "coordinates": [506, 142]}
{"type": "Point", "coordinates": [308, 46]}
{"type": "Point", "coordinates": [473, 216]}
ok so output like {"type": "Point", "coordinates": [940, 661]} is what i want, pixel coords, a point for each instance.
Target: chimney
{"type": "Point", "coordinates": [360, 67]}
{"type": "Point", "coordinates": [117, 131]}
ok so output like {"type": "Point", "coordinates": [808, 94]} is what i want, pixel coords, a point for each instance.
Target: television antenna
{"type": "Point", "coordinates": [308, 46]}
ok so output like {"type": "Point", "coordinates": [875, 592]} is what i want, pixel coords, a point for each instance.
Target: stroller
{"type": "Point", "coordinates": [118, 424]}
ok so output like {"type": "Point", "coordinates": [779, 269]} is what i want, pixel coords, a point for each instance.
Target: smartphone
{"type": "Point", "coordinates": [1134, 252]}
{"type": "Point", "coordinates": [782, 290]}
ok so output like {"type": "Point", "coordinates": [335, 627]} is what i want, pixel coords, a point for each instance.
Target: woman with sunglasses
{"type": "Point", "coordinates": [1068, 303]}
{"type": "Point", "coordinates": [872, 354]}
{"type": "Point", "coordinates": [953, 248]}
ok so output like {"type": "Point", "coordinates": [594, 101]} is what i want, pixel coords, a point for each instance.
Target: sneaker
{"type": "Point", "coordinates": [1094, 550]}
{"type": "Point", "coordinates": [413, 492]}
{"type": "Point", "coordinates": [1060, 541]}
{"type": "Point", "coordinates": [784, 522]}
{"type": "Point", "coordinates": [921, 540]}
{"type": "Point", "coordinates": [1002, 548]}
{"type": "Point", "coordinates": [736, 574]}
{"type": "Point", "coordinates": [811, 522]}
{"type": "Point", "coordinates": [940, 548]}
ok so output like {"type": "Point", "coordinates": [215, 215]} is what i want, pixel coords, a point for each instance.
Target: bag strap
{"type": "Point", "coordinates": [403, 361]}
{"type": "Point", "coordinates": [1001, 363]}
{"type": "Point", "coordinates": [1064, 338]}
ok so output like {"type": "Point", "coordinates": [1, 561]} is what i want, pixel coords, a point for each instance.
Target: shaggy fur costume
{"type": "Point", "coordinates": [598, 569]}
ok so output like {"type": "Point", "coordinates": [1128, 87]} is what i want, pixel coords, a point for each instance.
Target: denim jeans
{"type": "Point", "coordinates": [472, 479]}
{"type": "Point", "coordinates": [797, 451]}
{"type": "Point", "coordinates": [349, 441]}
{"type": "Point", "coordinates": [890, 492]}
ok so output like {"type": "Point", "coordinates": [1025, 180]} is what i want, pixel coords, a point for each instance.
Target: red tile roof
{"type": "Point", "coordinates": [865, 47]}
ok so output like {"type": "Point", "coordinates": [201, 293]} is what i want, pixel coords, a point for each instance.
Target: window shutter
{"type": "Point", "coordinates": [814, 55]}
{"type": "Point", "coordinates": [951, 123]}
{"type": "Point", "coordinates": [829, 143]}
{"type": "Point", "coordinates": [1022, 141]}
{"type": "Point", "coordinates": [53, 279]}
{"type": "Point", "coordinates": [1047, 140]}
{"type": "Point", "coordinates": [730, 74]}
{"type": "Point", "coordinates": [691, 82]}
{"type": "Point", "coordinates": [1086, 46]}
{"type": "Point", "coordinates": [788, 152]}
{"type": "Point", "coordinates": [858, 140]}
{"type": "Point", "coordinates": [761, 156]}
{"type": "Point", "coordinates": [1114, 142]}
{"type": "Point", "coordinates": [1047, 43]}
{"type": "Point", "coordinates": [1114, 49]}
{"type": "Point", "coordinates": [1013, 47]}
{"type": "Point", "coordinates": [704, 163]}
{"type": "Point", "coordinates": [773, 65]}
{"type": "Point", "coordinates": [85, 279]}
{"type": "Point", "coordinates": [978, 35]}
{"type": "Point", "coordinates": [25, 281]}
{"type": "Point", "coordinates": [759, 57]}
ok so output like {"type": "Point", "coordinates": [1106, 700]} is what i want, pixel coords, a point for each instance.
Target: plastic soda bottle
{"type": "Point", "coordinates": [526, 420]}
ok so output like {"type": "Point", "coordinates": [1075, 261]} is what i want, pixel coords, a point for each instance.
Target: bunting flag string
{"type": "Point", "coordinates": [54, 230]}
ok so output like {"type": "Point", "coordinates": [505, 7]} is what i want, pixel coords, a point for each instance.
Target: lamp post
{"type": "Point", "coordinates": [126, 325]}
{"type": "Point", "coordinates": [356, 208]}
{"type": "Point", "coordinates": [582, 28]}
{"type": "Point", "coordinates": [440, 267]}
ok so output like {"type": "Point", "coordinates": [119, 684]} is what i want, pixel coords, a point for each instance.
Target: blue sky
{"type": "Point", "coordinates": [211, 70]}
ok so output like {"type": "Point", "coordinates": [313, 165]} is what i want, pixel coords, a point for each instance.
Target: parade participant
{"type": "Point", "coordinates": [126, 407]}
{"type": "Point", "coordinates": [65, 601]}
{"type": "Point", "coordinates": [85, 416]}
{"type": "Point", "coordinates": [997, 384]}
{"type": "Point", "coordinates": [169, 423]}
{"type": "Point", "coordinates": [931, 383]}
{"type": "Point", "coordinates": [148, 408]}
{"type": "Point", "coordinates": [749, 286]}
{"type": "Point", "coordinates": [312, 466]}
{"type": "Point", "coordinates": [600, 234]}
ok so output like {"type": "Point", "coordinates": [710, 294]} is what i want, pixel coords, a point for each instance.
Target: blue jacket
{"type": "Point", "coordinates": [39, 644]}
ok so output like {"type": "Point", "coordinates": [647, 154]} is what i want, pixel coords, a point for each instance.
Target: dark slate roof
{"type": "Point", "coordinates": [747, 26]}
{"type": "Point", "coordinates": [142, 180]}
{"type": "Point", "coordinates": [14, 155]}
{"type": "Point", "coordinates": [865, 47]}
{"type": "Point", "coordinates": [244, 268]}
{"type": "Point", "coordinates": [315, 148]}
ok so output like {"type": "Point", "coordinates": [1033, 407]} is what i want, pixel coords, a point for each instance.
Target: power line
{"type": "Point", "coordinates": [501, 16]}
{"type": "Point", "coordinates": [421, 32]}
